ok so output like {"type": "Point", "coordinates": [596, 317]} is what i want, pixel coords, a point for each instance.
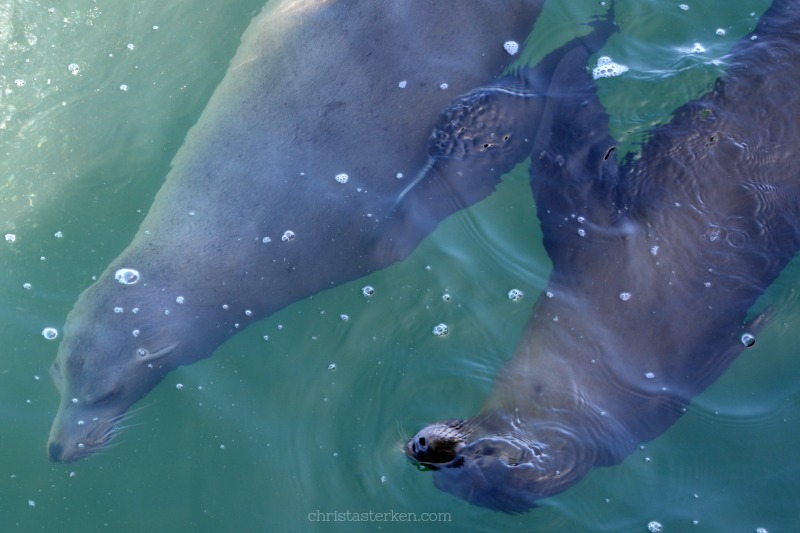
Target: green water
{"type": "Point", "coordinates": [264, 435]}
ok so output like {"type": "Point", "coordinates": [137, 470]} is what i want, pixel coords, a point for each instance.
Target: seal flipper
{"type": "Point", "coordinates": [574, 170]}
{"type": "Point", "coordinates": [484, 133]}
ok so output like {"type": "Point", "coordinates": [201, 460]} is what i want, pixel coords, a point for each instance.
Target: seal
{"type": "Point", "coordinates": [295, 179]}
{"type": "Point", "coordinates": [656, 264]}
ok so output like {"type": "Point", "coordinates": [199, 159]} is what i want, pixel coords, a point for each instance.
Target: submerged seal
{"type": "Point", "coordinates": [656, 264]}
{"type": "Point", "coordinates": [288, 185]}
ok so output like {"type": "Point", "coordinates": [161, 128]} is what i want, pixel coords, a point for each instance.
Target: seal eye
{"type": "Point", "coordinates": [108, 397]}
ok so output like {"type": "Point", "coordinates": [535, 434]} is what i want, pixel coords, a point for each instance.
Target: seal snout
{"type": "Point", "coordinates": [55, 451]}
{"type": "Point", "coordinates": [437, 445]}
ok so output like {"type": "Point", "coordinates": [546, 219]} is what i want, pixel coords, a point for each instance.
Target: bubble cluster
{"type": "Point", "coordinates": [606, 68]}
{"type": "Point", "coordinates": [367, 290]}
{"type": "Point", "coordinates": [624, 296]}
{"type": "Point", "coordinates": [684, 7]}
{"type": "Point", "coordinates": [266, 240]}
{"type": "Point", "coordinates": [10, 237]}
{"type": "Point", "coordinates": [512, 47]}
{"type": "Point", "coordinates": [649, 375]}
{"type": "Point", "coordinates": [440, 330]}
{"type": "Point", "coordinates": [342, 178]}
{"type": "Point", "coordinates": [654, 527]}
{"type": "Point", "coordinates": [58, 235]}
{"type": "Point", "coordinates": [515, 295]}
{"type": "Point", "coordinates": [287, 236]}
{"type": "Point", "coordinates": [126, 276]}
{"type": "Point", "coordinates": [402, 84]}
{"type": "Point", "coordinates": [697, 48]}
{"type": "Point", "coordinates": [49, 333]}
{"type": "Point", "coordinates": [179, 300]}
{"type": "Point", "coordinates": [118, 310]}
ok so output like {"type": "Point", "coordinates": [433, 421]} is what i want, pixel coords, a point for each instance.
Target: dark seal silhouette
{"type": "Point", "coordinates": [299, 176]}
{"type": "Point", "coordinates": [656, 264]}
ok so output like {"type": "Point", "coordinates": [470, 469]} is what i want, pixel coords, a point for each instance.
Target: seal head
{"type": "Point", "coordinates": [507, 470]}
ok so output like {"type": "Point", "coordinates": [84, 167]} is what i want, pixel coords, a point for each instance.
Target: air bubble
{"type": "Point", "coordinates": [131, 46]}
{"type": "Point", "coordinates": [287, 236]}
{"type": "Point", "coordinates": [135, 333]}
{"type": "Point", "coordinates": [548, 294]}
{"type": "Point", "coordinates": [49, 333]}
{"type": "Point", "coordinates": [720, 31]}
{"type": "Point", "coordinates": [10, 237]}
{"type": "Point", "coordinates": [649, 375]}
{"type": "Point", "coordinates": [248, 312]}
{"type": "Point", "coordinates": [748, 339]}
{"type": "Point", "coordinates": [19, 82]}
{"type": "Point", "coordinates": [266, 240]}
{"type": "Point", "coordinates": [399, 175]}
{"type": "Point", "coordinates": [515, 295]}
{"type": "Point", "coordinates": [342, 178]}
{"type": "Point", "coordinates": [179, 300]}
{"type": "Point", "coordinates": [368, 291]}
{"type": "Point", "coordinates": [581, 232]}
{"type": "Point", "coordinates": [118, 310]}
{"type": "Point", "coordinates": [123, 87]}
{"type": "Point", "coordinates": [58, 235]}
{"type": "Point", "coordinates": [126, 276]}
{"type": "Point", "coordinates": [684, 7]}
{"type": "Point", "coordinates": [179, 386]}
{"type": "Point", "coordinates": [332, 366]}
{"type": "Point", "coordinates": [446, 297]}
{"type": "Point", "coordinates": [654, 527]}
{"type": "Point", "coordinates": [74, 69]}
{"type": "Point", "coordinates": [26, 286]}
{"type": "Point", "coordinates": [402, 84]}
{"type": "Point", "coordinates": [440, 330]}
{"type": "Point", "coordinates": [443, 86]}
{"type": "Point", "coordinates": [624, 296]}
{"type": "Point", "coordinates": [344, 317]}
{"type": "Point", "coordinates": [654, 249]}
{"type": "Point", "coordinates": [141, 352]}
{"type": "Point", "coordinates": [606, 68]}
{"type": "Point", "coordinates": [512, 47]}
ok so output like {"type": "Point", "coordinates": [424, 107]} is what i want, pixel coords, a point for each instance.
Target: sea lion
{"type": "Point", "coordinates": [656, 263]}
{"type": "Point", "coordinates": [289, 185]}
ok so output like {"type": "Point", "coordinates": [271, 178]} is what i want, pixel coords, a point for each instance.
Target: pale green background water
{"type": "Point", "coordinates": [263, 433]}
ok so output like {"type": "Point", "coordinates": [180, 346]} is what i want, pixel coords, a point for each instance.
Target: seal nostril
{"type": "Point", "coordinates": [55, 450]}
{"type": "Point", "coordinates": [421, 441]}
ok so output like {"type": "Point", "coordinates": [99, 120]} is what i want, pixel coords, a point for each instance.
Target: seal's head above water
{"type": "Point", "coordinates": [504, 470]}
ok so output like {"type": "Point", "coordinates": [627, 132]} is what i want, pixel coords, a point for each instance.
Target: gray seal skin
{"type": "Point", "coordinates": [656, 263]}
{"type": "Point", "coordinates": [252, 218]}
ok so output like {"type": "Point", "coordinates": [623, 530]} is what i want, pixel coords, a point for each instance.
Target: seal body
{"type": "Point", "coordinates": [656, 263]}
{"type": "Point", "coordinates": [289, 184]}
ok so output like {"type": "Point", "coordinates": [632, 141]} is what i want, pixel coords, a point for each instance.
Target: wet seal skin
{"type": "Point", "coordinates": [294, 180]}
{"type": "Point", "coordinates": [656, 265]}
